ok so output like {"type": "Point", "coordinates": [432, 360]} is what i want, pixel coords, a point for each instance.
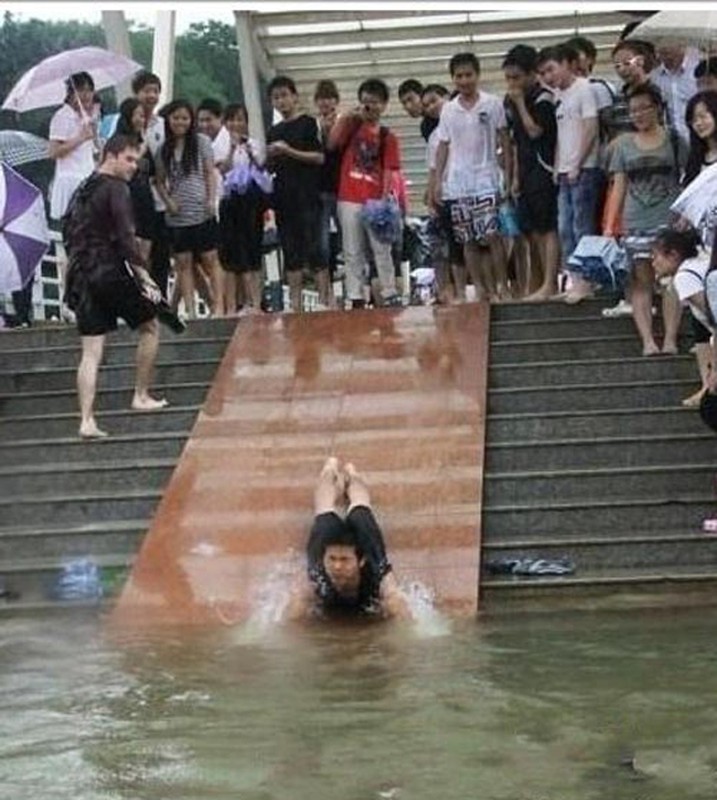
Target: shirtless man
{"type": "Point", "coordinates": [348, 571]}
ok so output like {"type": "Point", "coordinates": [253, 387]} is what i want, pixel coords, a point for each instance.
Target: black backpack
{"type": "Point", "coordinates": [75, 217]}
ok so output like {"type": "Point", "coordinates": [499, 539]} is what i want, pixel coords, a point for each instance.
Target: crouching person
{"type": "Point", "coordinates": [107, 279]}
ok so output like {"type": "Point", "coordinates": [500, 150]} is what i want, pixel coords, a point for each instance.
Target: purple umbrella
{"type": "Point", "coordinates": [24, 238]}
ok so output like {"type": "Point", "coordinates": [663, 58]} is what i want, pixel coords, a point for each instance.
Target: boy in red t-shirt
{"type": "Point", "coordinates": [370, 156]}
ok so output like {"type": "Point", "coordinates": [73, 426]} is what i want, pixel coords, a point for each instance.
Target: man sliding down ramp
{"type": "Point", "coordinates": [348, 571]}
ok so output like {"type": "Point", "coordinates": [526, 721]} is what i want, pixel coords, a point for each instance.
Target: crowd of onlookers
{"type": "Point", "coordinates": [514, 182]}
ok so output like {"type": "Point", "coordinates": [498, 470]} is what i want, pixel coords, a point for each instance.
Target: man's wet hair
{"type": "Point", "coordinates": [558, 53]}
{"type": "Point", "coordinates": [374, 86]}
{"type": "Point", "coordinates": [434, 88]}
{"type": "Point", "coordinates": [281, 82]}
{"type": "Point", "coordinates": [145, 78]}
{"type": "Point", "coordinates": [212, 105]}
{"type": "Point", "coordinates": [408, 86]}
{"type": "Point", "coordinates": [326, 90]}
{"type": "Point", "coordinates": [464, 60]}
{"type": "Point", "coordinates": [707, 66]}
{"type": "Point", "coordinates": [582, 45]}
{"type": "Point", "coordinates": [119, 143]}
{"type": "Point", "coordinates": [522, 56]}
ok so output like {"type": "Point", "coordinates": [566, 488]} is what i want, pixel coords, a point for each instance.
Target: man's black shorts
{"type": "Point", "coordinates": [106, 294]}
{"type": "Point", "coordinates": [538, 210]}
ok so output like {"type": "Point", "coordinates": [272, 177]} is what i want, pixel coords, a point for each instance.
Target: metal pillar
{"type": "Point", "coordinates": [163, 52]}
{"type": "Point", "coordinates": [249, 75]}
{"type": "Point", "coordinates": [117, 38]}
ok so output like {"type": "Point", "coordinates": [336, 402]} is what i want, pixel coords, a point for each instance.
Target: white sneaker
{"type": "Point", "coordinates": [622, 309]}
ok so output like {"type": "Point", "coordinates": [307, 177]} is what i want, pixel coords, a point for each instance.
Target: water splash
{"type": "Point", "coordinates": [428, 621]}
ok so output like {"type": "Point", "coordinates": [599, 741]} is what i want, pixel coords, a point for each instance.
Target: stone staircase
{"type": "Point", "coordinates": [61, 497]}
{"type": "Point", "coordinates": [590, 455]}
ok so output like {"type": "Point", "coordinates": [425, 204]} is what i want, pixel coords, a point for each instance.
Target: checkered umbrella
{"type": "Point", "coordinates": [24, 238]}
{"type": "Point", "coordinates": [21, 147]}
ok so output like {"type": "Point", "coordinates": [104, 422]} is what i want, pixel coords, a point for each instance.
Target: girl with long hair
{"type": "Point", "coordinates": [186, 181]}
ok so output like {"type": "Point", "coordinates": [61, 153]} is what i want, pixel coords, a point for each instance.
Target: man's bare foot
{"type": "Point", "coordinates": [694, 399]}
{"type": "Point", "coordinates": [669, 349]}
{"type": "Point", "coordinates": [89, 430]}
{"type": "Point", "coordinates": [651, 350]}
{"type": "Point", "coordinates": [540, 296]}
{"type": "Point", "coordinates": [148, 403]}
{"type": "Point", "coordinates": [331, 490]}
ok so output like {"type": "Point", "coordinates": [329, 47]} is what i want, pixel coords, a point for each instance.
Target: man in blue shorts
{"type": "Point", "coordinates": [348, 571]}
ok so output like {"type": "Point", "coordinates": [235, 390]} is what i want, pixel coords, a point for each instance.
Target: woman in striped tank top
{"type": "Point", "coordinates": [187, 182]}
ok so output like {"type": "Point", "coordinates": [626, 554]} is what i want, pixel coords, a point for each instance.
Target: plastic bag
{"type": "Point", "coordinates": [383, 218]}
{"type": "Point", "coordinates": [78, 580]}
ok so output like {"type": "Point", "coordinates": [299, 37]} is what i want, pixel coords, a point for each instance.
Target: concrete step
{"type": "Point", "coordinates": [594, 370]}
{"type": "Point", "coordinates": [517, 311]}
{"type": "Point", "coordinates": [110, 376]}
{"type": "Point", "coordinates": [503, 428]}
{"type": "Point", "coordinates": [59, 334]}
{"type": "Point", "coordinates": [568, 349]}
{"type": "Point", "coordinates": [583, 484]}
{"type": "Point", "coordinates": [589, 396]}
{"type": "Point", "coordinates": [599, 515]}
{"type": "Point", "coordinates": [615, 452]}
{"type": "Point", "coordinates": [34, 578]}
{"type": "Point", "coordinates": [53, 541]}
{"type": "Point", "coordinates": [639, 550]}
{"type": "Point", "coordinates": [171, 350]}
{"type": "Point", "coordinates": [115, 475]}
{"type": "Point", "coordinates": [73, 450]}
{"type": "Point", "coordinates": [178, 419]}
{"type": "Point", "coordinates": [119, 398]}
{"type": "Point", "coordinates": [78, 507]}
{"type": "Point", "coordinates": [560, 328]}
{"type": "Point", "coordinates": [622, 590]}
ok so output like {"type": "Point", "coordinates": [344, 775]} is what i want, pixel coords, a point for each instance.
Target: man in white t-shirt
{"type": "Point", "coordinates": [210, 123]}
{"type": "Point", "coordinates": [472, 127]}
{"type": "Point", "coordinates": [675, 77]}
{"type": "Point", "coordinates": [576, 158]}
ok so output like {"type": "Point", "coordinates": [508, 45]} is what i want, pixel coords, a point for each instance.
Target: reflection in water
{"type": "Point", "coordinates": [572, 708]}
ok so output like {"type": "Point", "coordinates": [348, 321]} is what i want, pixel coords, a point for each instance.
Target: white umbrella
{"type": "Point", "coordinates": [21, 147]}
{"type": "Point", "coordinates": [698, 204]}
{"type": "Point", "coordinates": [681, 26]}
{"type": "Point", "coordinates": [44, 84]}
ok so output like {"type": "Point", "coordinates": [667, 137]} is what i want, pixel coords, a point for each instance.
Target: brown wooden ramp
{"type": "Point", "coordinates": [401, 393]}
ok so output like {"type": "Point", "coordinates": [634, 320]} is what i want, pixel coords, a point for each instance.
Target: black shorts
{"type": "Point", "coordinates": [104, 294]}
{"type": "Point", "coordinates": [701, 334]}
{"type": "Point", "coordinates": [241, 231]}
{"type": "Point", "coordinates": [538, 209]}
{"type": "Point", "coordinates": [196, 239]}
{"type": "Point", "coordinates": [299, 230]}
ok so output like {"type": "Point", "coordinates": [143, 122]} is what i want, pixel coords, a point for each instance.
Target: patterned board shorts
{"type": "Point", "coordinates": [474, 218]}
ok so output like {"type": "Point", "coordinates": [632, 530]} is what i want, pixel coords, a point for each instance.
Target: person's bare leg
{"type": "Point", "coordinates": [323, 286]}
{"type": "Point", "coordinates": [499, 265]}
{"type": "Point", "coordinates": [475, 269]}
{"type": "Point", "coordinates": [147, 347]}
{"type": "Point", "coordinates": [703, 356]}
{"type": "Point", "coordinates": [185, 278]}
{"type": "Point", "coordinates": [641, 296]}
{"type": "Point", "coordinates": [671, 317]}
{"type": "Point", "coordinates": [356, 487]}
{"type": "Point", "coordinates": [214, 274]}
{"type": "Point", "coordinates": [253, 285]}
{"type": "Point", "coordinates": [548, 245]}
{"type": "Point", "coordinates": [230, 293]}
{"type": "Point", "coordinates": [330, 492]}
{"type": "Point", "coordinates": [92, 350]}
{"type": "Point", "coordinates": [459, 279]}
{"type": "Point", "coordinates": [295, 279]}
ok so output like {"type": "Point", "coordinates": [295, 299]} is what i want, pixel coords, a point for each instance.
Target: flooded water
{"type": "Point", "coordinates": [537, 708]}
